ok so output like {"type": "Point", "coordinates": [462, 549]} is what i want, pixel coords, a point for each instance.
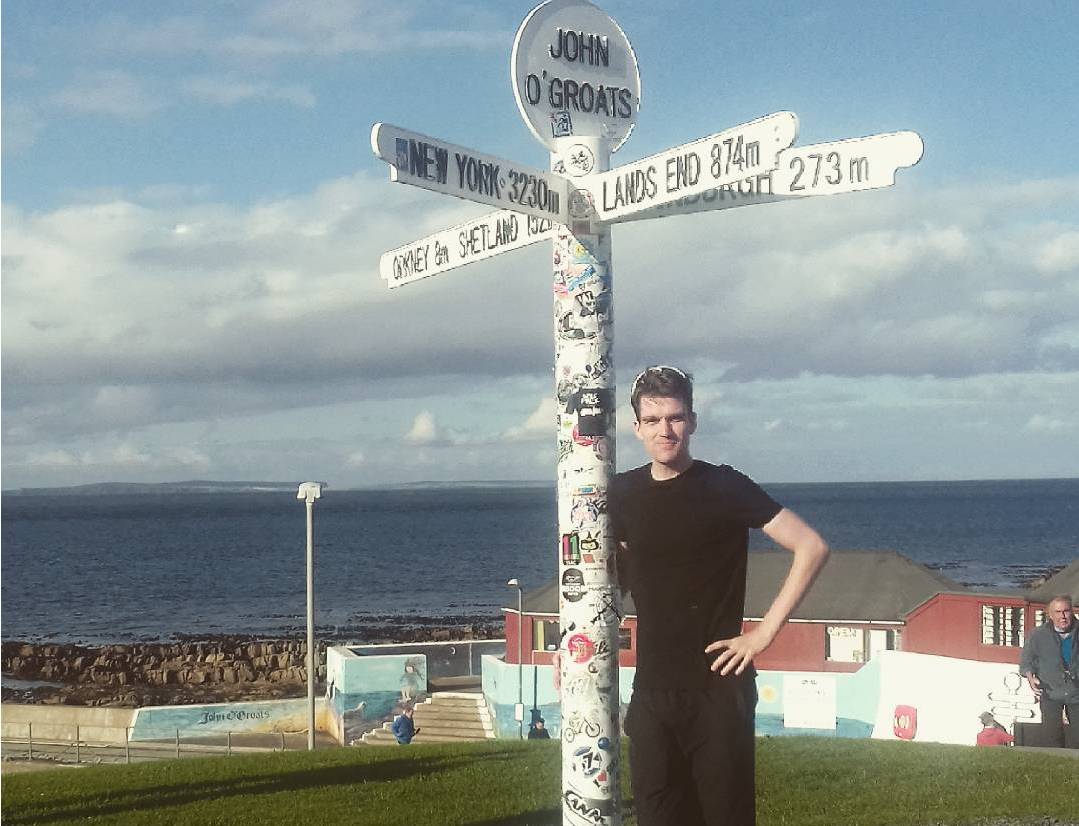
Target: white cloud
{"type": "Point", "coordinates": [109, 92]}
{"type": "Point", "coordinates": [540, 424]}
{"type": "Point", "coordinates": [51, 459]}
{"type": "Point", "coordinates": [1059, 254]}
{"type": "Point", "coordinates": [129, 314]}
{"type": "Point", "coordinates": [188, 457]}
{"type": "Point", "coordinates": [1040, 423]}
{"type": "Point", "coordinates": [424, 430]}
{"type": "Point", "coordinates": [228, 91]}
{"type": "Point", "coordinates": [356, 458]}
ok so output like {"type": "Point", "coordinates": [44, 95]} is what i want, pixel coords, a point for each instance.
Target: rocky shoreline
{"type": "Point", "coordinates": [190, 668]}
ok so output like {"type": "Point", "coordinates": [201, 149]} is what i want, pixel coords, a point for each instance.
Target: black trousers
{"type": "Point", "coordinates": [1053, 725]}
{"type": "Point", "coordinates": [692, 754]}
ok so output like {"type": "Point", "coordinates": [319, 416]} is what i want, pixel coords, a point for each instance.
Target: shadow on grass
{"type": "Point", "coordinates": [148, 798]}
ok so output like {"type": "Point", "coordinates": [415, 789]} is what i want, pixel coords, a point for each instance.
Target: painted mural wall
{"type": "Point", "coordinates": [938, 699]}
{"type": "Point", "coordinates": [364, 691]}
{"type": "Point", "coordinates": [163, 722]}
{"type": "Point", "coordinates": [896, 696]}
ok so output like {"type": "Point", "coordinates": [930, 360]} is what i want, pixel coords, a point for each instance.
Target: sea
{"type": "Point", "coordinates": [144, 566]}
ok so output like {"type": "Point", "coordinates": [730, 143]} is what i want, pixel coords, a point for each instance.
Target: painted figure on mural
{"type": "Point", "coordinates": [682, 527]}
{"type": "Point", "coordinates": [410, 680]}
{"type": "Point", "coordinates": [1050, 662]}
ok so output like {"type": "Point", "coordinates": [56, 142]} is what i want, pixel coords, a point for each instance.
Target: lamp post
{"type": "Point", "coordinates": [309, 492]}
{"type": "Point", "coordinates": [519, 713]}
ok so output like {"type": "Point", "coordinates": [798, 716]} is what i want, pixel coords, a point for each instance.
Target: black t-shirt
{"type": "Point", "coordinates": [687, 543]}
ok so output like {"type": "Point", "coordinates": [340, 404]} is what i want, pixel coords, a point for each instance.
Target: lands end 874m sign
{"type": "Point", "coordinates": [575, 73]}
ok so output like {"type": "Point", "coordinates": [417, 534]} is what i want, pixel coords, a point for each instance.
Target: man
{"type": "Point", "coordinates": [1050, 662]}
{"type": "Point", "coordinates": [683, 528]}
{"type": "Point", "coordinates": [992, 733]}
{"type": "Point", "coordinates": [404, 729]}
{"type": "Point", "coordinates": [539, 730]}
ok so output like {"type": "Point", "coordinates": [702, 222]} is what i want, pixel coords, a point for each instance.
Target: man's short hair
{"type": "Point", "coordinates": [1062, 598]}
{"type": "Point", "coordinates": [663, 381]}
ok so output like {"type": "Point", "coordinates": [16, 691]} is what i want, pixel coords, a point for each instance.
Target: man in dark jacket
{"type": "Point", "coordinates": [539, 730]}
{"type": "Point", "coordinates": [1050, 663]}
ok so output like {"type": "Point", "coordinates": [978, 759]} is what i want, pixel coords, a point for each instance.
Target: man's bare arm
{"type": "Point", "coordinates": [789, 531]}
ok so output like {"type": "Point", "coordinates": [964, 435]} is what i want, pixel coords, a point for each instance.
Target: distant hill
{"type": "Point", "coordinates": [195, 486]}
{"type": "Point", "coordinates": [206, 486]}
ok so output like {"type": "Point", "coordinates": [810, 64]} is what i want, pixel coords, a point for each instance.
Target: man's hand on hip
{"type": "Point", "coordinates": [737, 653]}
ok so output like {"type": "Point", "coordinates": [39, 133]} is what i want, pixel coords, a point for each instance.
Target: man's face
{"type": "Point", "coordinates": [1061, 614]}
{"type": "Point", "coordinates": [664, 427]}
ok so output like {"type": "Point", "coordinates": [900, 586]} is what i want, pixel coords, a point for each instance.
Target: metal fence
{"type": "Point", "coordinates": [108, 744]}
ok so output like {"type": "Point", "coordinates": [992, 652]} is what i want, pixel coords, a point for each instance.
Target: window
{"type": "Point", "coordinates": [1002, 625]}
{"type": "Point", "coordinates": [844, 644]}
{"type": "Point", "coordinates": [625, 639]}
{"type": "Point", "coordinates": [545, 635]}
{"type": "Point", "coordinates": [1039, 617]}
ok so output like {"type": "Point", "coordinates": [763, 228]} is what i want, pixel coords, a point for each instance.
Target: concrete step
{"type": "Point", "coordinates": [442, 720]}
{"type": "Point", "coordinates": [424, 713]}
{"type": "Point", "coordinates": [452, 702]}
{"type": "Point", "coordinates": [456, 730]}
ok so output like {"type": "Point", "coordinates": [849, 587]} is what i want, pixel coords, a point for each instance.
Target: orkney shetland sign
{"type": "Point", "coordinates": [692, 168]}
{"type": "Point", "coordinates": [851, 165]}
{"type": "Point", "coordinates": [488, 235]}
{"type": "Point", "coordinates": [575, 74]}
{"type": "Point", "coordinates": [456, 170]}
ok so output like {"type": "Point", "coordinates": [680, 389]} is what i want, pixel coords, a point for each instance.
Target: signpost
{"type": "Point", "coordinates": [688, 170]}
{"type": "Point", "coordinates": [491, 234]}
{"type": "Point", "coordinates": [577, 86]}
{"type": "Point", "coordinates": [456, 170]}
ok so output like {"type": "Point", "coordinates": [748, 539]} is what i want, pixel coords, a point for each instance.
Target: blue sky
{"type": "Point", "coordinates": [192, 219]}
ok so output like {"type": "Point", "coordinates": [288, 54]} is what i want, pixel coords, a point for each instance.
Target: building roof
{"type": "Point", "coordinates": [1065, 581]}
{"type": "Point", "coordinates": [853, 585]}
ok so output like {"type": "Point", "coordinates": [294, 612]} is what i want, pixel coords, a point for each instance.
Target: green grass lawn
{"type": "Point", "coordinates": [801, 780]}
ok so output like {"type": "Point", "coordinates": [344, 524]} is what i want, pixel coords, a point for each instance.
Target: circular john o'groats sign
{"type": "Point", "coordinates": [575, 74]}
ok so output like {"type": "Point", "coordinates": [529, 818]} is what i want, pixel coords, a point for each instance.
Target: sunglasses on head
{"type": "Point", "coordinates": [659, 368]}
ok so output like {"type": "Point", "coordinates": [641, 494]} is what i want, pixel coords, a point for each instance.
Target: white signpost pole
{"type": "Point", "coordinates": [589, 599]}
{"type": "Point", "coordinates": [578, 88]}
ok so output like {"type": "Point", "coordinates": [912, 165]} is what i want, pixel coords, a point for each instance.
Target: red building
{"type": "Point", "coordinates": [862, 602]}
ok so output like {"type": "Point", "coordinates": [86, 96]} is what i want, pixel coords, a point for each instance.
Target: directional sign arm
{"type": "Point", "coordinates": [851, 165]}
{"type": "Point", "coordinates": [457, 170]}
{"type": "Point", "coordinates": [723, 158]}
{"type": "Point", "coordinates": [491, 234]}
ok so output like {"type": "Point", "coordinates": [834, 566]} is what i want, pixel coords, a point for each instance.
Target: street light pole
{"type": "Point", "coordinates": [514, 583]}
{"type": "Point", "coordinates": [310, 491]}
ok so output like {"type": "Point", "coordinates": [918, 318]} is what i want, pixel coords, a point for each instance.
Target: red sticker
{"type": "Point", "coordinates": [580, 648]}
